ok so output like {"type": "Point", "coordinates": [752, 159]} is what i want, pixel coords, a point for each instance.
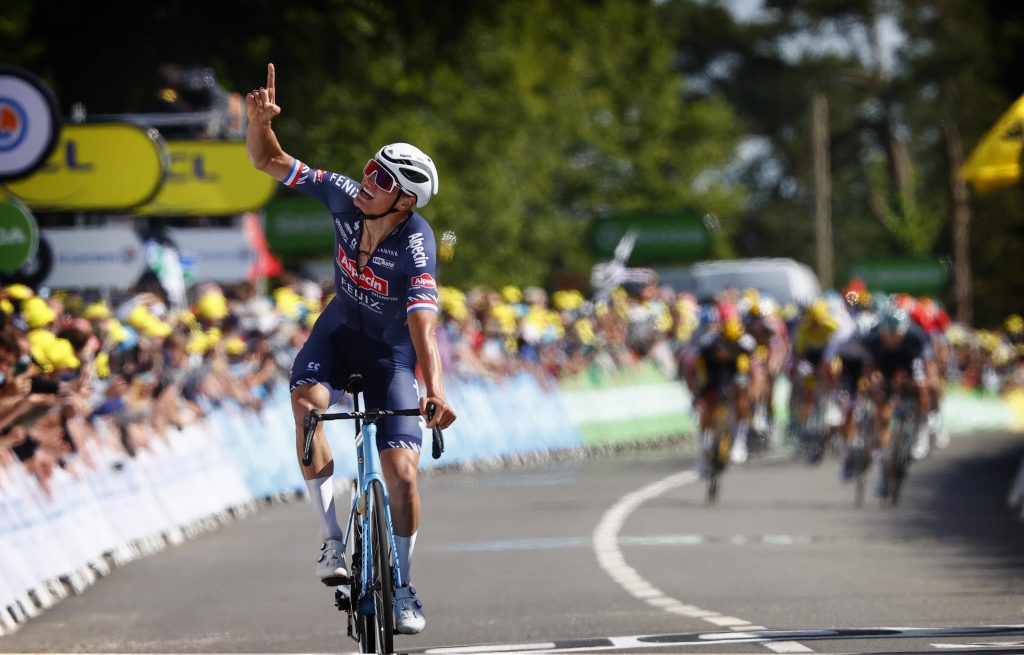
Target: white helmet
{"type": "Point", "coordinates": [413, 169]}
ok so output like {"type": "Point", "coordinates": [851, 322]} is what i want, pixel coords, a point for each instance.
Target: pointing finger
{"type": "Point", "coordinates": [270, 82]}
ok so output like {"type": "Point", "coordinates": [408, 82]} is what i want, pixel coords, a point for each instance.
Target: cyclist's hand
{"type": "Point", "coordinates": [443, 414]}
{"type": "Point", "coordinates": [261, 104]}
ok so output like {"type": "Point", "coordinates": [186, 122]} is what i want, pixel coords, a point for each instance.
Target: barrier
{"type": "Point", "coordinates": [642, 404]}
{"type": "Point", "coordinates": [190, 481]}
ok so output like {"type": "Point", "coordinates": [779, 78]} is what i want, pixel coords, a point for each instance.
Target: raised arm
{"type": "Point", "coordinates": [261, 144]}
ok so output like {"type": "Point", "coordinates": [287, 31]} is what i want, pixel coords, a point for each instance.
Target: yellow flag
{"type": "Point", "coordinates": [995, 162]}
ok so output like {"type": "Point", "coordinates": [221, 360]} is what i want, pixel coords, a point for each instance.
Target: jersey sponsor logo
{"type": "Point", "coordinates": [366, 279]}
{"type": "Point", "coordinates": [383, 262]}
{"type": "Point", "coordinates": [344, 227]}
{"type": "Point", "coordinates": [425, 281]}
{"type": "Point", "coordinates": [313, 366]}
{"type": "Point", "coordinates": [419, 253]}
{"type": "Point", "coordinates": [389, 253]}
{"type": "Point", "coordinates": [361, 297]}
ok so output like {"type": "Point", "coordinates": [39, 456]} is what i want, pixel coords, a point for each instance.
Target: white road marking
{"type": "Point", "coordinates": [609, 556]}
{"type": "Point", "coordinates": [787, 647]}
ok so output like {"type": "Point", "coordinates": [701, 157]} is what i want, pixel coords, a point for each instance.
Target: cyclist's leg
{"type": "Point", "coordinates": [741, 393]}
{"type": "Point", "coordinates": [391, 383]}
{"type": "Point", "coordinates": [311, 388]}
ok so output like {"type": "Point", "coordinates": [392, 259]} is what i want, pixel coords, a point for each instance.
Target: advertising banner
{"type": "Point", "coordinates": [99, 167]}
{"type": "Point", "coordinates": [94, 257]}
{"type": "Point", "coordinates": [19, 236]}
{"type": "Point", "coordinates": [661, 239]}
{"type": "Point", "coordinates": [215, 254]}
{"type": "Point", "coordinates": [297, 223]}
{"type": "Point", "coordinates": [209, 178]}
{"type": "Point", "coordinates": [29, 122]}
{"type": "Point", "coordinates": [917, 275]}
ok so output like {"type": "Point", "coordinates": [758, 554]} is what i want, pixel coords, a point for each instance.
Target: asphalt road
{"type": "Point", "coordinates": [613, 554]}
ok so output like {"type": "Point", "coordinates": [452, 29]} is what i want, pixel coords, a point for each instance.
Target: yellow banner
{"type": "Point", "coordinates": [98, 167]}
{"type": "Point", "coordinates": [210, 178]}
{"type": "Point", "coordinates": [995, 161]}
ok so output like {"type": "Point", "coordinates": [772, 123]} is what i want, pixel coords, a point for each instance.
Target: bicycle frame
{"type": "Point", "coordinates": [368, 469]}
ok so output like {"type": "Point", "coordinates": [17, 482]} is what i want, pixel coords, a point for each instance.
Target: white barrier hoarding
{"type": "Point", "coordinates": [214, 254]}
{"type": "Point", "coordinates": [94, 257]}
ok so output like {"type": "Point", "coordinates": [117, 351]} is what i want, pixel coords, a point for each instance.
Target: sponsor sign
{"type": "Point", "coordinates": [209, 178]}
{"type": "Point", "coordinates": [915, 275]}
{"type": "Point", "coordinates": [19, 236]}
{"type": "Point", "coordinates": [111, 167]}
{"type": "Point", "coordinates": [94, 257]}
{"type": "Point", "coordinates": [296, 223]}
{"type": "Point", "coordinates": [216, 254]}
{"type": "Point", "coordinates": [29, 122]}
{"type": "Point", "coordinates": [660, 239]}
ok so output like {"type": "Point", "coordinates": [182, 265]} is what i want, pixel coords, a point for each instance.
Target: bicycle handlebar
{"type": "Point", "coordinates": [314, 417]}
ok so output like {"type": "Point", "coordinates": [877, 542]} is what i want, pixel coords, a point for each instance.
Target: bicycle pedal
{"type": "Point", "coordinates": [342, 601]}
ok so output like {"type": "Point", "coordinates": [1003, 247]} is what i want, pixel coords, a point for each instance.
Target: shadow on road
{"type": "Point", "coordinates": [958, 497]}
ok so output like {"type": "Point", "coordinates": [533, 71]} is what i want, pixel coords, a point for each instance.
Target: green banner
{"type": "Point", "coordinates": [661, 238]}
{"type": "Point", "coordinates": [19, 236]}
{"type": "Point", "coordinates": [296, 223]}
{"type": "Point", "coordinates": [915, 275]}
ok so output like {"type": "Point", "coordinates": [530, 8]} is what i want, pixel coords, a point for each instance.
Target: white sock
{"type": "Point", "coordinates": [403, 552]}
{"type": "Point", "coordinates": [321, 496]}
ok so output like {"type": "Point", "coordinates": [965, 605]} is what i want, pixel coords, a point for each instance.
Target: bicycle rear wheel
{"type": "Point", "coordinates": [382, 579]}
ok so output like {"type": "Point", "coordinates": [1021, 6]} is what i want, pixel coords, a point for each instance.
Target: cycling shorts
{"type": "Point", "coordinates": [334, 351]}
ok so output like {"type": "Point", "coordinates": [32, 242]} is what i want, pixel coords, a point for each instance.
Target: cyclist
{"type": "Point", "coordinates": [896, 355]}
{"type": "Point", "coordinates": [380, 323]}
{"type": "Point", "coordinates": [721, 361]}
{"type": "Point", "coordinates": [811, 370]}
{"type": "Point", "coordinates": [933, 321]}
{"type": "Point", "coordinates": [770, 353]}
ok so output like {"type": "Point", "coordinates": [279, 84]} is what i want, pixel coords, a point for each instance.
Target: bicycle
{"type": "Point", "coordinates": [901, 440]}
{"type": "Point", "coordinates": [374, 571]}
{"type": "Point", "coordinates": [858, 459]}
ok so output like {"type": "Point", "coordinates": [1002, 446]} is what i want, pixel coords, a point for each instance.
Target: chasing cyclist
{"type": "Point", "coordinates": [897, 354]}
{"type": "Point", "coordinates": [380, 323]}
{"type": "Point", "coordinates": [721, 364]}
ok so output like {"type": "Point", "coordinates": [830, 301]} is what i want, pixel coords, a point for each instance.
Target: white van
{"type": "Point", "coordinates": [785, 280]}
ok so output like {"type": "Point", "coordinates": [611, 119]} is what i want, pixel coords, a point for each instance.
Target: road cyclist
{"type": "Point", "coordinates": [717, 373]}
{"type": "Point", "coordinates": [381, 323]}
{"type": "Point", "coordinates": [897, 353]}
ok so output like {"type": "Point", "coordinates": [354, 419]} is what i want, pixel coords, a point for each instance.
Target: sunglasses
{"type": "Point", "coordinates": [380, 176]}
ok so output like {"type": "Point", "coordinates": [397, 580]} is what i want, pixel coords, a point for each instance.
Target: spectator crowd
{"type": "Point", "coordinates": [77, 373]}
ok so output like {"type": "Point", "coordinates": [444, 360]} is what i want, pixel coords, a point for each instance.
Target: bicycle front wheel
{"type": "Point", "coordinates": [382, 578]}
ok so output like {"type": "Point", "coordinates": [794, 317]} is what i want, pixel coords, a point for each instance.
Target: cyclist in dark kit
{"type": "Point", "coordinates": [380, 323]}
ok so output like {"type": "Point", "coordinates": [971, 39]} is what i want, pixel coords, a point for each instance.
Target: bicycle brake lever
{"type": "Point", "coordinates": [437, 447]}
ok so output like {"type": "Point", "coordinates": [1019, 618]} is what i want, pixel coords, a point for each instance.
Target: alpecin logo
{"type": "Point", "coordinates": [419, 253]}
{"type": "Point", "coordinates": [425, 281]}
{"type": "Point", "coordinates": [367, 280]}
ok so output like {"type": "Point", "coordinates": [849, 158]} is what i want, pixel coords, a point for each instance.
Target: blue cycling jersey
{"type": "Point", "coordinates": [399, 277]}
